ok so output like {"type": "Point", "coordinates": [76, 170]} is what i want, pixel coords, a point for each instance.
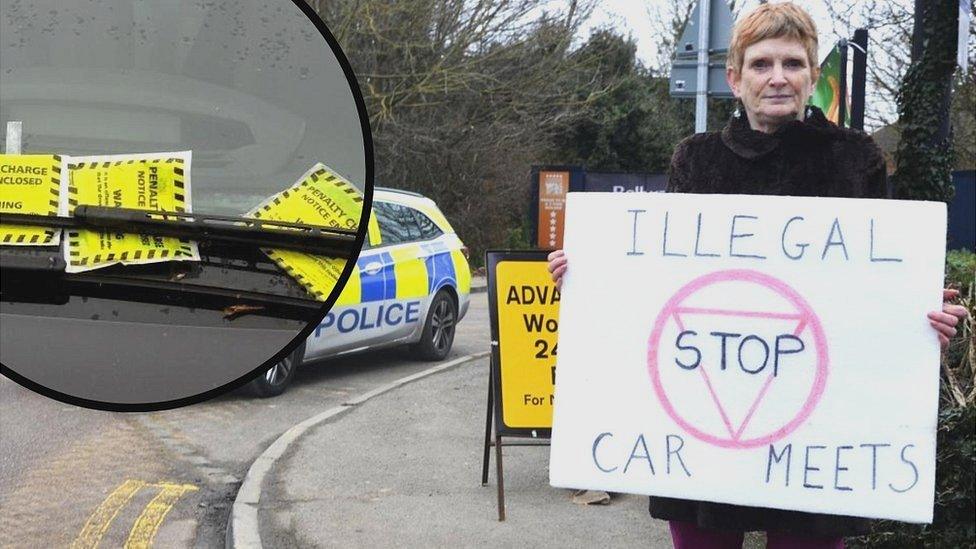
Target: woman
{"type": "Point", "coordinates": [776, 145]}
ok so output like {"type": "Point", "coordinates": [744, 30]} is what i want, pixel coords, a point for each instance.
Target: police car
{"type": "Point", "coordinates": [410, 287]}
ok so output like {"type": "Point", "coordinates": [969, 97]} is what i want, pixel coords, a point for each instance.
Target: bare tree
{"type": "Point", "coordinates": [668, 19]}
{"type": "Point", "coordinates": [465, 95]}
{"type": "Point", "coordinates": [963, 112]}
{"type": "Point", "coordinates": [889, 24]}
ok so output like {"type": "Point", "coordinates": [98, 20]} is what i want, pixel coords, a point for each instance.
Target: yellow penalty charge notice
{"type": "Point", "coordinates": [320, 198]}
{"type": "Point", "coordinates": [153, 182]}
{"type": "Point", "coordinates": [31, 184]}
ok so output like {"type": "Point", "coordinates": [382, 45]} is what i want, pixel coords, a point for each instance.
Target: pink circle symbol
{"type": "Point", "coordinates": [800, 317]}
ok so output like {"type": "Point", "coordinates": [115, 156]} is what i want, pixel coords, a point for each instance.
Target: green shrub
{"type": "Point", "coordinates": [960, 269]}
{"type": "Point", "coordinates": [954, 521]}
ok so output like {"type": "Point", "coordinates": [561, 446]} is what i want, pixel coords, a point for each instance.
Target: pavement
{"type": "Point", "coordinates": [401, 467]}
{"type": "Point", "coordinates": [479, 283]}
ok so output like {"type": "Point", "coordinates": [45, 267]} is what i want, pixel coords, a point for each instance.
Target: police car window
{"type": "Point", "coordinates": [391, 231]}
{"type": "Point", "coordinates": [396, 223]}
{"type": "Point", "coordinates": [428, 229]}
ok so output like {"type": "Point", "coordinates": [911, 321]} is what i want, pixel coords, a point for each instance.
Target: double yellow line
{"type": "Point", "coordinates": [145, 527]}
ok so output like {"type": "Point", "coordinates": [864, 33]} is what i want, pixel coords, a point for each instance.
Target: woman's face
{"type": "Point", "coordinates": [775, 82]}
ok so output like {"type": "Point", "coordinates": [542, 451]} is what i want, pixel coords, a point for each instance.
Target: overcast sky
{"type": "Point", "coordinates": [630, 16]}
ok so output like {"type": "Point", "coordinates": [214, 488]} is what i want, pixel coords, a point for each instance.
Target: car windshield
{"type": "Point", "coordinates": [250, 87]}
{"type": "Point", "coordinates": [254, 96]}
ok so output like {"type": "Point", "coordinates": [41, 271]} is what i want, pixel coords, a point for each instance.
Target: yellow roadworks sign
{"type": "Point", "coordinates": [320, 198]}
{"type": "Point", "coordinates": [31, 184]}
{"type": "Point", "coordinates": [155, 182]}
{"type": "Point", "coordinates": [527, 302]}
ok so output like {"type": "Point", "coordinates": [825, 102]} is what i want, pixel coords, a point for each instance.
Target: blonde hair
{"type": "Point", "coordinates": [782, 20]}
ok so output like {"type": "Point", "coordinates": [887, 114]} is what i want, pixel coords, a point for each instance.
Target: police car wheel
{"type": "Point", "coordinates": [438, 336]}
{"type": "Point", "coordinates": [276, 380]}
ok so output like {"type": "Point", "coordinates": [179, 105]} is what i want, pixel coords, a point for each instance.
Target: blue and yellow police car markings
{"type": "Point", "coordinates": [440, 266]}
{"type": "Point", "coordinates": [387, 287]}
{"type": "Point", "coordinates": [403, 273]}
{"type": "Point", "coordinates": [391, 285]}
{"type": "Point", "coordinates": [410, 272]}
{"type": "Point", "coordinates": [352, 292]}
{"type": "Point", "coordinates": [370, 316]}
{"type": "Point", "coordinates": [462, 271]}
{"type": "Point", "coordinates": [377, 277]}
{"type": "Point", "coordinates": [374, 285]}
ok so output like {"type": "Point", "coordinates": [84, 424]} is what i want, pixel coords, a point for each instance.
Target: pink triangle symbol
{"type": "Point", "coordinates": [736, 433]}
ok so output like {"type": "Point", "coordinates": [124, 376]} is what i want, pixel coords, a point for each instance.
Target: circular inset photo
{"type": "Point", "coordinates": [184, 191]}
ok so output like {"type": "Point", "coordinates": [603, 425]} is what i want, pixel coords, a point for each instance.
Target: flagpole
{"type": "Point", "coordinates": [701, 96]}
{"type": "Point", "coordinates": [859, 77]}
{"type": "Point", "coordinates": [842, 107]}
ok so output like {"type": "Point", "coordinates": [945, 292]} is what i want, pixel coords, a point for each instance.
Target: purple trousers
{"type": "Point", "coordinates": [687, 535]}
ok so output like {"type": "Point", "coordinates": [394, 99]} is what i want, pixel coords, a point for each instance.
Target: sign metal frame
{"type": "Point", "coordinates": [495, 428]}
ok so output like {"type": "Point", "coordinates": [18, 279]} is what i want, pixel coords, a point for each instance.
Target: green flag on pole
{"type": "Point", "coordinates": [826, 95]}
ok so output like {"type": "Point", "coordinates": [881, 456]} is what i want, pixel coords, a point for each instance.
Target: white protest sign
{"type": "Point", "coordinates": [754, 350]}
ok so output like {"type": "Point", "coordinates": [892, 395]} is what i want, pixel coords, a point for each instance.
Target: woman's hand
{"type": "Point", "coordinates": [944, 322]}
{"type": "Point", "coordinates": [557, 266]}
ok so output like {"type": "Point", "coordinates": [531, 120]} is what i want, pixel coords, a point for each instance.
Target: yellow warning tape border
{"type": "Point", "coordinates": [318, 171]}
{"type": "Point", "coordinates": [54, 208]}
{"type": "Point", "coordinates": [182, 206]}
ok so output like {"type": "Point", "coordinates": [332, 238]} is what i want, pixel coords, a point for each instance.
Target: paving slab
{"type": "Point", "coordinates": [403, 469]}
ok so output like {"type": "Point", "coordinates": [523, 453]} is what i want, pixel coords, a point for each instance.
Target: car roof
{"type": "Point", "coordinates": [416, 201]}
{"type": "Point", "coordinates": [400, 197]}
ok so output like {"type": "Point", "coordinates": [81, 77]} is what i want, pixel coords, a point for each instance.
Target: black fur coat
{"type": "Point", "coordinates": [809, 158]}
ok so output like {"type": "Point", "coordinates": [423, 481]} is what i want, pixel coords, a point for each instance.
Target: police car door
{"type": "Point", "coordinates": [436, 254]}
{"type": "Point", "coordinates": [398, 271]}
{"type": "Point", "coordinates": [357, 320]}
{"type": "Point", "coordinates": [386, 296]}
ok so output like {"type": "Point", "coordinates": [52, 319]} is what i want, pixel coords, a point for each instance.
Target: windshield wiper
{"type": "Point", "coordinates": [218, 229]}
{"type": "Point", "coordinates": [233, 274]}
